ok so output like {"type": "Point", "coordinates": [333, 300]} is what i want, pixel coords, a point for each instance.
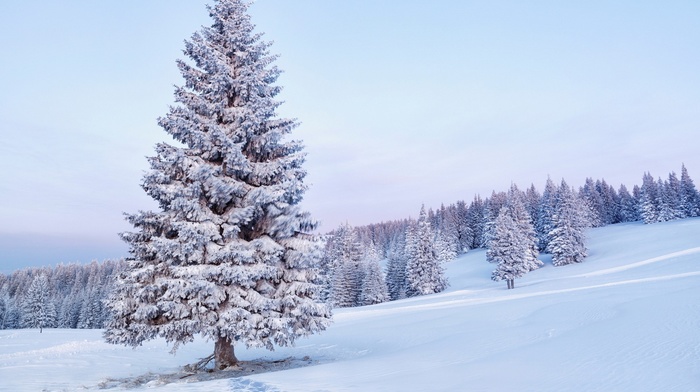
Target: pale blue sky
{"type": "Point", "coordinates": [401, 103]}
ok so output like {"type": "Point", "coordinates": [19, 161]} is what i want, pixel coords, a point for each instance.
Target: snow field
{"type": "Point", "coordinates": [625, 319]}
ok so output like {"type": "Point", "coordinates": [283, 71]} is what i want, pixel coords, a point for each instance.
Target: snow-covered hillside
{"type": "Point", "coordinates": [628, 318]}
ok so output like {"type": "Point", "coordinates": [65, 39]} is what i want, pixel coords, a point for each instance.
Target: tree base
{"type": "Point", "coordinates": [223, 354]}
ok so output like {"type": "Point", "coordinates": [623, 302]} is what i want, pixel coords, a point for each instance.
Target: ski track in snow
{"type": "Point", "coordinates": [485, 300]}
{"type": "Point", "coordinates": [626, 267]}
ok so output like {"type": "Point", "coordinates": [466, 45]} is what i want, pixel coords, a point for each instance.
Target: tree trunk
{"type": "Point", "coordinates": [223, 354]}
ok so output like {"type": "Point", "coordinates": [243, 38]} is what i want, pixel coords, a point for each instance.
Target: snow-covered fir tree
{"type": "Point", "coordinates": [476, 221]}
{"type": "Point", "coordinates": [374, 289]}
{"type": "Point", "coordinates": [371, 252]}
{"type": "Point", "coordinates": [347, 284]}
{"type": "Point", "coordinates": [91, 313]}
{"type": "Point", "coordinates": [465, 233]}
{"type": "Point", "coordinates": [637, 195]}
{"type": "Point", "coordinates": [447, 234]}
{"type": "Point", "coordinates": [4, 305]}
{"type": "Point", "coordinates": [492, 207]}
{"type": "Point", "coordinates": [608, 202]}
{"type": "Point", "coordinates": [516, 209]}
{"type": "Point", "coordinates": [532, 203]}
{"type": "Point", "coordinates": [670, 203]}
{"type": "Point", "coordinates": [544, 223]}
{"type": "Point", "coordinates": [227, 256]}
{"type": "Point", "coordinates": [424, 272]}
{"type": "Point", "coordinates": [650, 201]}
{"type": "Point", "coordinates": [38, 310]}
{"type": "Point", "coordinates": [396, 267]}
{"type": "Point", "coordinates": [12, 315]}
{"type": "Point", "coordinates": [689, 197]}
{"type": "Point", "coordinates": [591, 198]}
{"type": "Point", "coordinates": [568, 240]}
{"type": "Point", "coordinates": [445, 247]}
{"type": "Point", "coordinates": [508, 249]}
{"type": "Point", "coordinates": [629, 211]}
{"type": "Point", "coordinates": [69, 311]}
{"type": "Point", "coordinates": [346, 269]}
{"type": "Point", "coordinates": [410, 249]}
{"type": "Point", "coordinates": [325, 271]}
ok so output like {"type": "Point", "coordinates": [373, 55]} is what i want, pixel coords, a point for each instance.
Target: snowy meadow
{"type": "Point", "coordinates": [627, 318]}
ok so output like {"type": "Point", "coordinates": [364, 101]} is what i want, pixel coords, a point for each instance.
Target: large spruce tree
{"type": "Point", "coordinates": [227, 255]}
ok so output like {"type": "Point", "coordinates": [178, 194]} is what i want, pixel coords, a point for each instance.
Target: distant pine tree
{"type": "Point", "coordinates": [396, 268]}
{"type": "Point", "coordinates": [38, 310]}
{"type": "Point", "coordinates": [476, 221]}
{"type": "Point", "coordinates": [523, 221]}
{"type": "Point", "coordinates": [690, 199]}
{"type": "Point", "coordinates": [627, 205]}
{"type": "Point", "coordinates": [347, 284]}
{"type": "Point", "coordinates": [12, 319]}
{"type": "Point", "coordinates": [637, 195]}
{"type": "Point", "coordinates": [465, 234]}
{"type": "Point", "coordinates": [650, 200]}
{"type": "Point", "coordinates": [347, 272]}
{"type": "Point", "coordinates": [544, 223]}
{"type": "Point", "coordinates": [594, 203]}
{"type": "Point", "coordinates": [4, 305]}
{"type": "Point", "coordinates": [492, 206]}
{"type": "Point", "coordinates": [424, 272]}
{"type": "Point", "coordinates": [672, 198]}
{"type": "Point", "coordinates": [445, 248]}
{"type": "Point", "coordinates": [665, 203]}
{"type": "Point", "coordinates": [532, 203]}
{"type": "Point", "coordinates": [91, 314]}
{"type": "Point", "coordinates": [448, 234]}
{"type": "Point", "coordinates": [568, 240]}
{"type": "Point", "coordinates": [508, 248]}
{"type": "Point", "coordinates": [374, 289]}
{"type": "Point", "coordinates": [610, 201]}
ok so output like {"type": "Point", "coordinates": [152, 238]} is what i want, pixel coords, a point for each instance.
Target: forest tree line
{"type": "Point", "coordinates": [64, 296]}
{"type": "Point", "coordinates": [551, 221]}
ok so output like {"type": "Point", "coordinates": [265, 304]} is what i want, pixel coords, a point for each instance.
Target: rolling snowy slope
{"type": "Point", "coordinates": [628, 318]}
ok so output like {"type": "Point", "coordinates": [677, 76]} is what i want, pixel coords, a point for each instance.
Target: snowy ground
{"type": "Point", "coordinates": [628, 319]}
